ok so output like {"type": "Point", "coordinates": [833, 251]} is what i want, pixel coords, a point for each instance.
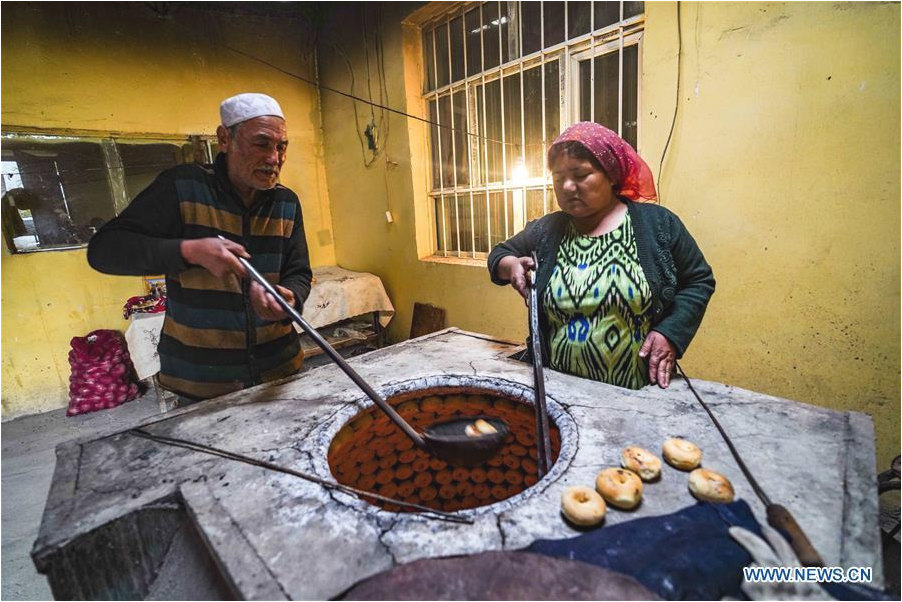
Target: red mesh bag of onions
{"type": "Point", "coordinates": [102, 372]}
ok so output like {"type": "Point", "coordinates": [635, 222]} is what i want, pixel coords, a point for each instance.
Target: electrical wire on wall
{"type": "Point", "coordinates": [676, 105]}
{"type": "Point", "coordinates": [376, 135]}
{"type": "Point", "coordinates": [383, 89]}
{"type": "Point", "coordinates": [379, 105]}
{"type": "Point", "coordinates": [384, 103]}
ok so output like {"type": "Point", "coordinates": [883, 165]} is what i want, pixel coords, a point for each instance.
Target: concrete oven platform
{"type": "Point", "coordinates": [131, 518]}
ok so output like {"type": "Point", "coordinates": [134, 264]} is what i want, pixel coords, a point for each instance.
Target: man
{"type": "Point", "coordinates": [222, 332]}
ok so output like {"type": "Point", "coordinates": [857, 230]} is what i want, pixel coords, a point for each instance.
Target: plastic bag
{"type": "Point", "coordinates": [102, 372]}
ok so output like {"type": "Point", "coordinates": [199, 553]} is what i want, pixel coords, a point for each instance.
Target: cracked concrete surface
{"type": "Point", "coordinates": [279, 536]}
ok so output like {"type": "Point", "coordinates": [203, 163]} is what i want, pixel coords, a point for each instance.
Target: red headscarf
{"type": "Point", "coordinates": [621, 164]}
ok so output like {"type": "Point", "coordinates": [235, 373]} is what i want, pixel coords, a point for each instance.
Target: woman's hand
{"type": "Point", "coordinates": [515, 269]}
{"type": "Point", "coordinates": [661, 358]}
{"type": "Point", "coordinates": [266, 306]}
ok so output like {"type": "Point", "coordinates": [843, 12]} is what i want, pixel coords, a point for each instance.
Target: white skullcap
{"type": "Point", "coordinates": [247, 106]}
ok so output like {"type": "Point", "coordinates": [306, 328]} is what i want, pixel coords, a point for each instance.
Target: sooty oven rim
{"type": "Point", "coordinates": [515, 390]}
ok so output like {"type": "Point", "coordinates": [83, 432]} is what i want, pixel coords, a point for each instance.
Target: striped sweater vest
{"type": "Point", "coordinates": [212, 341]}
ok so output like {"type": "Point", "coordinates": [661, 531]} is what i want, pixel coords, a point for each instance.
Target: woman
{"type": "Point", "coordinates": [622, 285]}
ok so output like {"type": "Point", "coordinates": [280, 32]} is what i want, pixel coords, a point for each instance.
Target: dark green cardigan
{"type": "Point", "coordinates": [680, 279]}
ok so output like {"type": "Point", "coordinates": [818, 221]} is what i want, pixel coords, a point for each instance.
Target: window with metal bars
{"type": "Point", "coordinates": [502, 80]}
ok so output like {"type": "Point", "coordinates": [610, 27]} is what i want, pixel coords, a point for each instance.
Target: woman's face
{"type": "Point", "coordinates": [581, 189]}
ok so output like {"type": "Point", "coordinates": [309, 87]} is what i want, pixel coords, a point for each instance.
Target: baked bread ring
{"type": "Point", "coordinates": [710, 486]}
{"type": "Point", "coordinates": [682, 454]}
{"type": "Point", "coordinates": [619, 487]}
{"type": "Point", "coordinates": [642, 462]}
{"type": "Point", "coordinates": [582, 506]}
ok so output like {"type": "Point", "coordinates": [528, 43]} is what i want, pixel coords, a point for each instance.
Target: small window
{"type": "Point", "coordinates": [57, 191]}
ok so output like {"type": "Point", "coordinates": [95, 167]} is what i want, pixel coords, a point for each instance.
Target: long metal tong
{"type": "Point", "coordinates": [778, 516]}
{"type": "Point", "coordinates": [441, 439]}
{"type": "Point", "coordinates": [543, 438]}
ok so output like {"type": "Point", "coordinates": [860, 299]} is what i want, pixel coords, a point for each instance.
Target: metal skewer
{"type": "Point", "coordinates": [778, 516]}
{"type": "Point", "coordinates": [543, 439]}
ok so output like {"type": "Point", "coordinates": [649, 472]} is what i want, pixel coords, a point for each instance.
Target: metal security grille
{"type": "Point", "coordinates": [502, 80]}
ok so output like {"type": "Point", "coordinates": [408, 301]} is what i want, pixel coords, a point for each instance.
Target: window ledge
{"type": "Point", "coordinates": [465, 261]}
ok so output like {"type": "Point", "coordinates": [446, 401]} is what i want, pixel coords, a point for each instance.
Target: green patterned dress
{"type": "Point", "coordinates": [597, 304]}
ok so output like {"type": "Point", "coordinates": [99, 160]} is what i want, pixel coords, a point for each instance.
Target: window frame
{"type": "Point", "coordinates": [611, 38]}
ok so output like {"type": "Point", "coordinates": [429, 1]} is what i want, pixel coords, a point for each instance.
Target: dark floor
{"type": "Point", "coordinates": [27, 468]}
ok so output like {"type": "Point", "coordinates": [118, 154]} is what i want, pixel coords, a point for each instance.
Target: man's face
{"type": "Point", "coordinates": [255, 153]}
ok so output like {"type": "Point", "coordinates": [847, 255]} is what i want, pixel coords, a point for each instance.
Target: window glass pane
{"type": "Point", "coordinates": [552, 103]}
{"type": "Point", "coordinates": [578, 17]}
{"type": "Point", "coordinates": [440, 225]}
{"type": "Point", "coordinates": [142, 163]}
{"type": "Point", "coordinates": [436, 141]}
{"type": "Point", "coordinates": [585, 91]}
{"type": "Point", "coordinates": [429, 59]}
{"type": "Point", "coordinates": [510, 34]}
{"type": "Point", "coordinates": [474, 42]}
{"type": "Point", "coordinates": [453, 224]}
{"type": "Point", "coordinates": [535, 204]}
{"type": "Point", "coordinates": [457, 49]}
{"type": "Point", "coordinates": [631, 9]}
{"type": "Point", "coordinates": [516, 214]}
{"type": "Point", "coordinates": [532, 26]}
{"type": "Point", "coordinates": [606, 89]}
{"type": "Point", "coordinates": [478, 142]}
{"type": "Point", "coordinates": [64, 195]}
{"type": "Point", "coordinates": [442, 74]}
{"type": "Point", "coordinates": [492, 129]}
{"type": "Point", "coordinates": [465, 215]}
{"type": "Point", "coordinates": [491, 41]}
{"type": "Point", "coordinates": [480, 223]}
{"type": "Point", "coordinates": [532, 97]}
{"type": "Point", "coordinates": [461, 141]}
{"type": "Point", "coordinates": [630, 131]}
{"type": "Point", "coordinates": [512, 125]}
{"type": "Point", "coordinates": [554, 23]}
{"type": "Point", "coordinates": [606, 13]}
{"type": "Point", "coordinates": [550, 200]}
{"type": "Point", "coordinates": [446, 148]}
{"type": "Point", "coordinates": [498, 215]}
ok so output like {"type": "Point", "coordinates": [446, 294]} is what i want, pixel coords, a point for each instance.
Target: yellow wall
{"type": "Point", "coordinates": [784, 165]}
{"type": "Point", "coordinates": [121, 67]}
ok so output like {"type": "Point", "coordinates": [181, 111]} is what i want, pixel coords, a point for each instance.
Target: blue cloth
{"type": "Point", "coordinates": [687, 555]}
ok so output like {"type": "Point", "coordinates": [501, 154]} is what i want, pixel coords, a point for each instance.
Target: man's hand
{"type": "Point", "coordinates": [216, 255]}
{"type": "Point", "coordinates": [265, 304]}
{"type": "Point", "coordinates": [661, 356]}
{"type": "Point", "coordinates": [515, 269]}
